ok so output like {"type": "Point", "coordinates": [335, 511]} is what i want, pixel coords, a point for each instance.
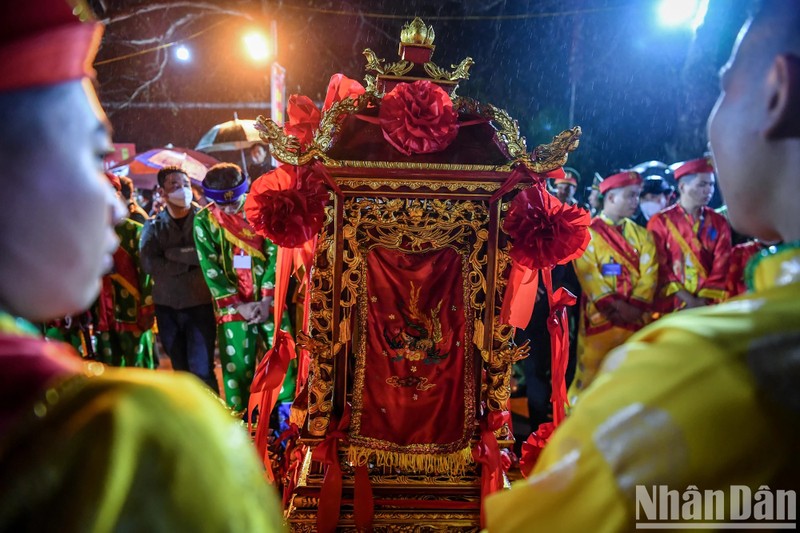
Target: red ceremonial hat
{"type": "Point", "coordinates": [623, 179]}
{"type": "Point", "coordinates": [45, 42]}
{"type": "Point", "coordinates": [695, 166]}
{"type": "Point", "coordinates": [566, 178]}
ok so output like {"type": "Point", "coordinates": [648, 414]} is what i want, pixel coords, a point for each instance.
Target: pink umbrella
{"type": "Point", "coordinates": [143, 168]}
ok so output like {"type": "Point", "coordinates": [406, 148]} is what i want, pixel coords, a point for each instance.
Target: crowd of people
{"type": "Point", "coordinates": [674, 384]}
{"type": "Point", "coordinates": [655, 249]}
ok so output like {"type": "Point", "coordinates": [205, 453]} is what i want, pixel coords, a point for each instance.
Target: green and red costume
{"type": "Point", "coordinates": [123, 313]}
{"type": "Point", "coordinates": [221, 238]}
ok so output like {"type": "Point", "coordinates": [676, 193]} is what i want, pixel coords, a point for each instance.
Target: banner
{"type": "Point", "coordinates": [414, 397]}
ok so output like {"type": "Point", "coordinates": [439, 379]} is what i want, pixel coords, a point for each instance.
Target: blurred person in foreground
{"type": "Point", "coordinates": [84, 447]}
{"type": "Point", "coordinates": [707, 398]}
{"type": "Point", "coordinates": [693, 243]}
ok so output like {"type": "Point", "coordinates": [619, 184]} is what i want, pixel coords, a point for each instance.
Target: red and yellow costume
{"type": "Point", "coordinates": [693, 254]}
{"type": "Point", "coordinates": [740, 255]}
{"type": "Point", "coordinates": [619, 264]}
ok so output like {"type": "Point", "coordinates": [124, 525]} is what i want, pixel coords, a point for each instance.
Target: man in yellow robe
{"type": "Point", "coordinates": [618, 275]}
{"type": "Point", "coordinates": [84, 447]}
{"type": "Point", "coordinates": [706, 398]}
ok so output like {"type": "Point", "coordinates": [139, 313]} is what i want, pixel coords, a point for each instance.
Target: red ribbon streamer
{"type": "Point", "coordinates": [520, 296]}
{"type": "Point", "coordinates": [558, 327]}
{"type": "Point", "coordinates": [327, 452]}
{"type": "Point", "coordinates": [487, 454]}
{"type": "Point", "coordinates": [271, 371]}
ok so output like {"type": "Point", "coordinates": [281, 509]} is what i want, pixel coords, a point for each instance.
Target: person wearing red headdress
{"type": "Point", "coordinates": [566, 185]}
{"type": "Point", "coordinates": [617, 273]}
{"type": "Point", "coordinates": [85, 447]}
{"type": "Point", "coordinates": [123, 314]}
{"type": "Point", "coordinates": [238, 266]}
{"type": "Point", "coordinates": [693, 242]}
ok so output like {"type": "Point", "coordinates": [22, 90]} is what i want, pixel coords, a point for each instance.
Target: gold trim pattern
{"type": "Point", "coordinates": [414, 165]}
{"type": "Point", "coordinates": [460, 71]}
{"type": "Point", "coordinates": [375, 184]}
{"type": "Point", "coordinates": [374, 64]}
{"type": "Point", "coordinates": [320, 342]}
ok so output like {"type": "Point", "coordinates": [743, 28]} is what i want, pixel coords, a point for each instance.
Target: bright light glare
{"type": "Point", "coordinates": [678, 12]}
{"type": "Point", "coordinates": [182, 53]}
{"type": "Point", "coordinates": [257, 45]}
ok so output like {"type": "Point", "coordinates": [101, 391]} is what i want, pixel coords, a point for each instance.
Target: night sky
{"type": "Point", "coordinates": [643, 91]}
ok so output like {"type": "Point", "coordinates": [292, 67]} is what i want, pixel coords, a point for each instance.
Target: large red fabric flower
{"type": "Point", "coordinates": [533, 446]}
{"type": "Point", "coordinates": [339, 88]}
{"type": "Point", "coordinates": [418, 118]}
{"type": "Point", "coordinates": [287, 205]}
{"type": "Point", "coordinates": [545, 232]}
{"type": "Point", "coordinates": [303, 118]}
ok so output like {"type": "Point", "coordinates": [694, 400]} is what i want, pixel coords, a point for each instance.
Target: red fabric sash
{"type": "Point", "coordinates": [520, 296]}
{"type": "Point", "coordinates": [558, 327]}
{"type": "Point", "coordinates": [237, 227]}
{"type": "Point", "coordinates": [125, 272]}
{"type": "Point", "coordinates": [487, 454]}
{"type": "Point", "coordinates": [330, 498]}
{"type": "Point", "coordinates": [682, 222]}
{"type": "Point", "coordinates": [104, 308]}
{"type": "Point", "coordinates": [271, 370]}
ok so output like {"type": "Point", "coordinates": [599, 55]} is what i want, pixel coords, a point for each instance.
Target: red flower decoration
{"type": "Point", "coordinates": [418, 118]}
{"type": "Point", "coordinates": [532, 447]}
{"type": "Point", "coordinates": [287, 205]}
{"type": "Point", "coordinates": [545, 231]}
{"type": "Point", "coordinates": [303, 118]}
{"type": "Point", "coordinates": [339, 88]}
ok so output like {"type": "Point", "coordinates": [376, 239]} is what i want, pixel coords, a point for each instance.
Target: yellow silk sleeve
{"type": "Point", "coordinates": [587, 267]}
{"type": "Point", "coordinates": [645, 288]}
{"type": "Point", "coordinates": [677, 405]}
{"type": "Point", "coordinates": [134, 451]}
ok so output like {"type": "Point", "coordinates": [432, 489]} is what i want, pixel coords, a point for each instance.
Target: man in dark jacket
{"type": "Point", "coordinates": [184, 312]}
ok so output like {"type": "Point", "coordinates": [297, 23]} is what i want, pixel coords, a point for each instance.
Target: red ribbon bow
{"type": "Point", "coordinates": [558, 327]}
{"type": "Point", "coordinates": [487, 454]}
{"type": "Point", "coordinates": [532, 447]}
{"type": "Point", "coordinates": [330, 498]}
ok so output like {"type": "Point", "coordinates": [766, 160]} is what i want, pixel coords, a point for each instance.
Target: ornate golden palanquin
{"type": "Point", "coordinates": [416, 204]}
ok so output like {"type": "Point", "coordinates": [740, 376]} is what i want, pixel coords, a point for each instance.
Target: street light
{"type": "Point", "coordinates": [182, 53]}
{"type": "Point", "coordinates": [257, 45]}
{"type": "Point", "coordinates": [675, 13]}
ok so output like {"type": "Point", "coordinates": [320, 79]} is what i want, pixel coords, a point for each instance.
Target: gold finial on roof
{"type": "Point", "coordinates": [415, 32]}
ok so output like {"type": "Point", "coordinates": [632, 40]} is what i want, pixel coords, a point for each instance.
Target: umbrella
{"type": "Point", "coordinates": [143, 168]}
{"type": "Point", "coordinates": [232, 135]}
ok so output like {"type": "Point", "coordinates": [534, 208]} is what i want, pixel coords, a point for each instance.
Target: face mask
{"type": "Point", "coordinates": [650, 208]}
{"type": "Point", "coordinates": [181, 197]}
